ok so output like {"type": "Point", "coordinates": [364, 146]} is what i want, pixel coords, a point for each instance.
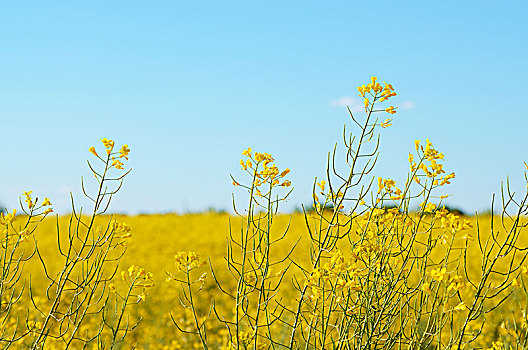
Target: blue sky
{"type": "Point", "coordinates": [189, 85]}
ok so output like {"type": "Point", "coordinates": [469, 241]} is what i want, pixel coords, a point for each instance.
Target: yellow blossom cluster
{"type": "Point", "coordinates": [7, 219]}
{"type": "Point", "coordinates": [31, 204]}
{"type": "Point", "coordinates": [28, 200]}
{"type": "Point", "coordinates": [330, 197]}
{"type": "Point", "coordinates": [378, 93]}
{"type": "Point", "coordinates": [121, 228]}
{"type": "Point", "coordinates": [137, 278]}
{"type": "Point", "coordinates": [453, 222]}
{"type": "Point", "coordinates": [386, 123]}
{"type": "Point", "coordinates": [453, 283]}
{"type": "Point", "coordinates": [389, 186]}
{"type": "Point", "coordinates": [187, 261]}
{"type": "Point", "coordinates": [264, 170]}
{"type": "Point", "coordinates": [428, 207]}
{"type": "Point", "coordinates": [124, 151]}
{"type": "Point", "coordinates": [496, 345]}
{"type": "Point", "coordinates": [109, 146]}
{"type": "Point", "coordinates": [434, 170]}
{"type": "Point", "coordinates": [336, 275]}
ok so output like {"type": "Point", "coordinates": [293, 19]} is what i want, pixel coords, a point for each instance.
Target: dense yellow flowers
{"type": "Point", "coordinates": [265, 172]}
{"type": "Point", "coordinates": [113, 156]}
{"type": "Point", "coordinates": [6, 219]}
{"type": "Point", "coordinates": [187, 261]}
{"type": "Point", "coordinates": [29, 200]}
{"type": "Point", "coordinates": [378, 94]}
{"type": "Point", "coordinates": [138, 280]}
{"type": "Point", "coordinates": [109, 145]}
{"type": "Point", "coordinates": [124, 151]}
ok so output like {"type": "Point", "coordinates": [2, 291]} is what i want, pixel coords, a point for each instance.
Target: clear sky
{"type": "Point", "coordinates": [189, 85]}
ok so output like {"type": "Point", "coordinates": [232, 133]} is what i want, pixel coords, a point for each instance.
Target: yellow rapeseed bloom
{"type": "Point", "coordinates": [124, 151]}
{"type": "Point", "coordinates": [186, 261]}
{"type": "Point", "coordinates": [391, 110]}
{"type": "Point", "coordinates": [438, 274]}
{"type": "Point", "coordinates": [247, 152]}
{"type": "Point", "coordinates": [28, 199]}
{"type": "Point", "coordinates": [108, 143]}
{"type": "Point", "coordinates": [117, 164]}
{"type": "Point", "coordinates": [8, 218]}
{"type": "Point", "coordinates": [386, 123]}
{"type": "Point", "coordinates": [92, 150]}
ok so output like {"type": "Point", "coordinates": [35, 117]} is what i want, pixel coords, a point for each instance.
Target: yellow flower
{"type": "Point", "coordinates": [117, 164]}
{"type": "Point", "coordinates": [361, 91]}
{"type": "Point", "coordinates": [92, 150]}
{"type": "Point", "coordinates": [243, 164]}
{"type": "Point", "coordinates": [447, 178]}
{"type": "Point", "coordinates": [8, 218]}
{"type": "Point", "coordinates": [438, 274]}
{"type": "Point", "coordinates": [46, 201]}
{"type": "Point", "coordinates": [247, 152]}
{"type": "Point", "coordinates": [390, 110]}
{"type": "Point", "coordinates": [28, 199]}
{"type": "Point", "coordinates": [386, 123]}
{"type": "Point", "coordinates": [516, 283]}
{"type": "Point", "coordinates": [496, 345]}
{"type": "Point", "coordinates": [429, 208]}
{"type": "Point", "coordinates": [416, 144]}
{"type": "Point", "coordinates": [124, 151]}
{"type": "Point", "coordinates": [456, 284]}
{"type": "Point", "coordinates": [186, 261]}
{"type": "Point", "coordinates": [122, 229]}
{"type": "Point", "coordinates": [109, 145]}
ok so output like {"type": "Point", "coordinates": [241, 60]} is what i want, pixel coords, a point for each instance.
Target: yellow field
{"type": "Point", "coordinates": [154, 242]}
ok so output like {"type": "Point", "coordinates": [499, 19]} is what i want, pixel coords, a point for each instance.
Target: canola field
{"type": "Point", "coordinates": [371, 264]}
{"type": "Point", "coordinates": [156, 239]}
